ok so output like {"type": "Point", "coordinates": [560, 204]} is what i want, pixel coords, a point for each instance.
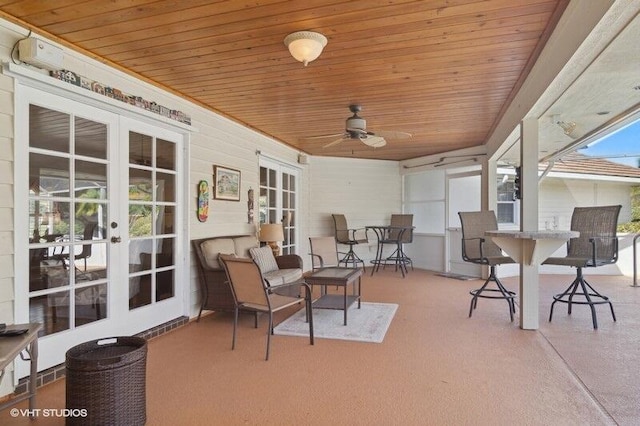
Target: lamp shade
{"type": "Point", "coordinates": [305, 46]}
{"type": "Point", "coordinates": [270, 232]}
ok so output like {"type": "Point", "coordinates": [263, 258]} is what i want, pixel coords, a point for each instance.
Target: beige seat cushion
{"type": "Point", "coordinates": [282, 276]}
{"type": "Point", "coordinates": [264, 258]}
{"type": "Point", "coordinates": [212, 248]}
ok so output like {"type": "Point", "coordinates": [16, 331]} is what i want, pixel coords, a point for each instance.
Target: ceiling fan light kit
{"type": "Point", "coordinates": [355, 123]}
{"type": "Point", "coordinates": [305, 46]}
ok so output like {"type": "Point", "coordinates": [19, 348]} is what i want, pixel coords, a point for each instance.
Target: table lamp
{"type": "Point", "coordinates": [271, 233]}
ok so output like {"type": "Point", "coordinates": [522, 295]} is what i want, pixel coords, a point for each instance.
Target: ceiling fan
{"type": "Point", "coordinates": [356, 128]}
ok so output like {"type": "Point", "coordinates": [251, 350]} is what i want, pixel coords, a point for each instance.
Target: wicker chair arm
{"type": "Point", "coordinates": [289, 261]}
{"type": "Point", "coordinates": [273, 288]}
{"type": "Point", "coordinates": [293, 284]}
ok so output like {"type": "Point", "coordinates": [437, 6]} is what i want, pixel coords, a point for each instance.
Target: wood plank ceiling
{"type": "Point", "coordinates": [442, 70]}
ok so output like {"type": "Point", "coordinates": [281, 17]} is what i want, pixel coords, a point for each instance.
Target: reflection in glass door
{"type": "Point", "coordinates": [101, 192]}
{"type": "Point", "coordinates": [152, 215]}
{"type": "Point", "coordinates": [68, 190]}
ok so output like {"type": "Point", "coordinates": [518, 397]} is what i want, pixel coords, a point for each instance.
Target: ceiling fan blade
{"type": "Point", "coordinates": [337, 141]}
{"type": "Point", "coordinates": [374, 141]}
{"type": "Point", "coordinates": [335, 135]}
{"type": "Point", "coordinates": [392, 134]}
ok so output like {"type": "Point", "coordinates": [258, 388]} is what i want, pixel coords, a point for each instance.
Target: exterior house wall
{"type": "Point", "coordinates": [216, 140]}
{"type": "Point", "coordinates": [7, 38]}
{"type": "Point", "coordinates": [558, 197]}
{"type": "Point", "coordinates": [367, 191]}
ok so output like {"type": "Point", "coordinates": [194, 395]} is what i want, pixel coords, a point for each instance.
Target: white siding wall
{"type": "Point", "coordinates": [217, 140]}
{"type": "Point", "coordinates": [7, 38]}
{"type": "Point", "coordinates": [558, 197]}
{"type": "Point", "coordinates": [367, 192]}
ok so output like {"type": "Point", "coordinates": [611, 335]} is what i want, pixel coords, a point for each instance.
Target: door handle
{"type": "Point", "coordinates": [116, 239]}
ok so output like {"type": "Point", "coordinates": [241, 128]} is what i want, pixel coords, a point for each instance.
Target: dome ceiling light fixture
{"type": "Point", "coordinates": [305, 46]}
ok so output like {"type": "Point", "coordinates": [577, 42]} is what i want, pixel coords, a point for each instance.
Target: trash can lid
{"type": "Point", "coordinates": [106, 353]}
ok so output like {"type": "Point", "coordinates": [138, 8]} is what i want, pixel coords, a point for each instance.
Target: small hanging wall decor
{"type": "Point", "coordinates": [203, 200]}
{"type": "Point", "coordinates": [117, 94]}
{"type": "Point", "coordinates": [250, 206]}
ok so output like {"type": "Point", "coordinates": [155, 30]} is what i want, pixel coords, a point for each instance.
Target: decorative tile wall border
{"type": "Point", "coordinates": [59, 371]}
{"type": "Point", "coordinates": [114, 93]}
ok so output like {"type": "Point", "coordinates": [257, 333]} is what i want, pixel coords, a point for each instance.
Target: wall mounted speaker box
{"type": "Point", "coordinates": [303, 159]}
{"type": "Point", "coordinates": [40, 54]}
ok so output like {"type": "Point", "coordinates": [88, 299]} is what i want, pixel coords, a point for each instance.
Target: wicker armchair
{"type": "Point", "coordinates": [477, 249]}
{"type": "Point", "coordinates": [597, 245]}
{"type": "Point", "coordinates": [251, 292]}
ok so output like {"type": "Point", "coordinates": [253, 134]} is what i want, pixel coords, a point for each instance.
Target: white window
{"type": "Point", "coordinates": [507, 208]}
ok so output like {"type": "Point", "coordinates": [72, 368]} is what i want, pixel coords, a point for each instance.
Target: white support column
{"type": "Point", "coordinates": [529, 285]}
{"type": "Point", "coordinates": [489, 184]}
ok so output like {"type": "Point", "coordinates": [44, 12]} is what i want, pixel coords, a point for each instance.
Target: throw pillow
{"type": "Point", "coordinates": [263, 256]}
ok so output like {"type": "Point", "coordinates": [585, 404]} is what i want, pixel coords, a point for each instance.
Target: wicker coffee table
{"type": "Point", "coordinates": [340, 277]}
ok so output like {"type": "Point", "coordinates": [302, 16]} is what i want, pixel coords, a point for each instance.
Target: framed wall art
{"type": "Point", "coordinates": [227, 183]}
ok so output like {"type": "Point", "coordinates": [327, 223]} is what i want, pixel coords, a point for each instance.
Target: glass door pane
{"type": "Point", "coordinates": [96, 254]}
{"type": "Point", "coordinates": [288, 212]}
{"type": "Point", "coordinates": [68, 190]}
{"type": "Point", "coordinates": [152, 214]}
{"type": "Point", "coordinates": [278, 201]}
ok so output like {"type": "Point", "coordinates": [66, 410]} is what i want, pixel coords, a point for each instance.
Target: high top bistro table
{"type": "Point", "coordinates": [529, 249]}
{"type": "Point", "coordinates": [398, 258]}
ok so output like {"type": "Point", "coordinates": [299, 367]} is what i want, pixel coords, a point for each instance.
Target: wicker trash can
{"type": "Point", "coordinates": [106, 378]}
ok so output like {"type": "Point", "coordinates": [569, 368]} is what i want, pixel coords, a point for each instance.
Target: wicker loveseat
{"type": "Point", "coordinates": [214, 289]}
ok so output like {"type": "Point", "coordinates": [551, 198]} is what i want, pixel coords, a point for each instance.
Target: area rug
{"type": "Point", "coordinates": [367, 324]}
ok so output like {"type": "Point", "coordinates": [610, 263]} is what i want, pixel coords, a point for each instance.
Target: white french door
{"type": "Point", "coordinates": [151, 233]}
{"type": "Point", "coordinates": [97, 254]}
{"type": "Point", "coordinates": [278, 200]}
